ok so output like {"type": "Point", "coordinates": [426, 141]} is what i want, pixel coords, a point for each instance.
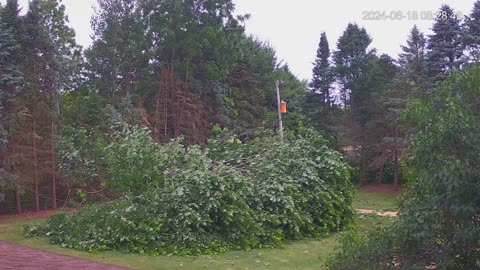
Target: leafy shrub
{"type": "Point", "coordinates": [79, 154]}
{"type": "Point", "coordinates": [134, 163]}
{"type": "Point", "coordinates": [302, 186]}
{"type": "Point", "coordinates": [360, 251]}
{"type": "Point", "coordinates": [232, 195]}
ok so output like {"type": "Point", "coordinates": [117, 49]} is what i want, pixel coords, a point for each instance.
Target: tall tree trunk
{"type": "Point", "coordinates": [363, 164]}
{"type": "Point", "coordinates": [363, 174]}
{"type": "Point", "coordinates": [396, 170]}
{"type": "Point", "coordinates": [16, 191]}
{"type": "Point", "coordinates": [396, 165]}
{"type": "Point", "coordinates": [167, 100]}
{"type": "Point", "coordinates": [156, 118]}
{"type": "Point", "coordinates": [54, 173]}
{"type": "Point", "coordinates": [381, 174]}
{"type": "Point", "coordinates": [35, 163]}
{"type": "Point", "coordinates": [176, 101]}
{"type": "Point", "coordinates": [327, 100]}
{"type": "Point", "coordinates": [18, 202]}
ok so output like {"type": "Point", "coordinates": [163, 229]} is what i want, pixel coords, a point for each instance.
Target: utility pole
{"type": "Point", "coordinates": [280, 123]}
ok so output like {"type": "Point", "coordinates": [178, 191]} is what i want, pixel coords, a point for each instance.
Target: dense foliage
{"type": "Point", "coordinates": [175, 67]}
{"type": "Point", "coordinates": [232, 195]}
{"type": "Point", "coordinates": [128, 122]}
{"type": "Point", "coordinates": [178, 67]}
{"type": "Point", "coordinates": [440, 222]}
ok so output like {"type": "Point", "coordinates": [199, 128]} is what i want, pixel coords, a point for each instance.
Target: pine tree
{"type": "Point", "coordinates": [14, 22]}
{"type": "Point", "coordinates": [411, 81]}
{"type": "Point", "coordinates": [350, 58]}
{"type": "Point", "coordinates": [394, 140]}
{"type": "Point", "coordinates": [8, 88]}
{"type": "Point", "coordinates": [40, 72]}
{"type": "Point", "coordinates": [323, 76]}
{"type": "Point", "coordinates": [445, 45]}
{"type": "Point", "coordinates": [11, 79]}
{"type": "Point", "coordinates": [10, 74]}
{"type": "Point", "coordinates": [472, 32]}
{"type": "Point", "coordinates": [357, 73]}
{"type": "Point", "coordinates": [414, 63]}
{"type": "Point", "coordinates": [367, 109]}
{"type": "Point", "coordinates": [62, 56]}
{"type": "Point", "coordinates": [10, 14]}
{"type": "Point", "coordinates": [249, 82]}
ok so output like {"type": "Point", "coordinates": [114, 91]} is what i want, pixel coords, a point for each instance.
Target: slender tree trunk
{"type": "Point", "coordinates": [157, 114]}
{"type": "Point", "coordinates": [18, 202]}
{"type": "Point", "coordinates": [16, 191]}
{"type": "Point", "coordinates": [127, 83]}
{"type": "Point", "coordinates": [166, 99]}
{"type": "Point", "coordinates": [324, 106]}
{"type": "Point", "coordinates": [381, 174]}
{"type": "Point", "coordinates": [176, 101]}
{"type": "Point", "coordinates": [54, 173]}
{"type": "Point", "coordinates": [35, 164]}
{"type": "Point", "coordinates": [363, 174]}
{"type": "Point", "coordinates": [67, 198]}
{"type": "Point", "coordinates": [396, 165]}
{"type": "Point", "coordinates": [327, 100]}
{"type": "Point", "coordinates": [396, 170]}
{"type": "Point", "coordinates": [363, 164]}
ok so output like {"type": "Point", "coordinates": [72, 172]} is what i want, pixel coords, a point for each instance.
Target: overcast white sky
{"type": "Point", "coordinates": [293, 27]}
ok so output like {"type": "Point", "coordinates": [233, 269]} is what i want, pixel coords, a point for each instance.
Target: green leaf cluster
{"type": "Point", "coordinates": [231, 195]}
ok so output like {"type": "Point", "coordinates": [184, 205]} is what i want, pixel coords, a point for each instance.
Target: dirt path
{"type": "Point", "coordinates": [14, 256]}
{"type": "Point", "coordinates": [382, 214]}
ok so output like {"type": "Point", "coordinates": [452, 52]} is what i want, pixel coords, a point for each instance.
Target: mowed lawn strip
{"type": "Point", "coordinates": [379, 198]}
{"type": "Point", "coordinates": [306, 254]}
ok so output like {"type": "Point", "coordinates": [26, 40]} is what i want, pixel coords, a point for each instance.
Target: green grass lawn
{"type": "Point", "coordinates": [374, 201]}
{"type": "Point", "coordinates": [307, 254]}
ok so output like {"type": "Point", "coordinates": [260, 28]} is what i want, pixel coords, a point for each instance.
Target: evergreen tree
{"type": "Point", "coordinates": [10, 15]}
{"type": "Point", "coordinates": [368, 114]}
{"type": "Point", "coordinates": [322, 73]}
{"type": "Point", "coordinates": [250, 84]}
{"type": "Point", "coordinates": [11, 80]}
{"type": "Point", "coordinates": [14, 22]}
{"type": "Point", "coordinates": [409, 82]}
{"type": "Point", "coordinates": [44, 70]}
{"type": "Point", "coordinates": [10, 75]}
{"type": "Point", "coordinates": [394, 140]}
{"type": "Point", "coordinates": [350, 58]}
{"type": "Point", "coordinates": [37, 51]}
{"type": "Point", "coordinates": [472, 32]}
{"type": "Point", "coordinates": [357, 72]}
{"type": "Point", "coordinates": [62, 56]}
{"type": "Point", "coordinates": [445, 45]}
{"type": "Point", "coordinates": [414, 63]}
{"type": "Point", "coordinates": [65, 54]}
